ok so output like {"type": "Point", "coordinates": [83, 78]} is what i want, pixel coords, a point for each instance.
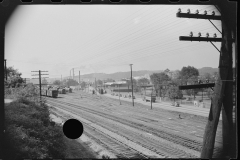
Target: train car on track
{"type": "Point", "coordinates": [67, 89]}
{"type": "Point", "coordinates": [61, 91]}
{"type": "Point", "coordinates": [49, 92]}
{"type": "Point", "coordinates": [52, 93]}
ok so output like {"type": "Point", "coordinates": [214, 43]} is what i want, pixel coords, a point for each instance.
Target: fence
{"type": "Point", "coordinates": [189, 102]}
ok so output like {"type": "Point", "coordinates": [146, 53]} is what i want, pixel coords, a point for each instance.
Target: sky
{"type": "Point", "coordinates": [107, 38]}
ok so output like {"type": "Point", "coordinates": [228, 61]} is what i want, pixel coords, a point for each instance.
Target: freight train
{"type": "Point", "coordinates": [50, 92]}
{"type": "Point", "coordinates": [61, 91]}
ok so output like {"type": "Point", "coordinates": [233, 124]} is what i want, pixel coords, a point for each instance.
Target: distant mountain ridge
{"type": "Point", "coordinates": [119, 75]}
{"type": "Point", "coordinates": [204, 70]}
{"type": "Point", "coordinates": [115, 76]}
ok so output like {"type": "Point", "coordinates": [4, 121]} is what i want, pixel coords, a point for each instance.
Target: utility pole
{"type": "Point", "coordinates": [40, 85]}
{"type": "Point", "coordinates": [73, 73]}
{"type": "Point", "coordinates": [5, 65]}
{"type": "Point", "coordinates": [132, 83]}
{"type": "Point", "coordinates": [95, 83]}
{"type": "Point", "coordinates": [151, 97]}
{"type": "Point", "coordinates": [88, 85]}
{"type": "Point", "coordinates": [119, 94]}
{"type": "Point", "coordinates": [79, 80]}
{"type": "Point", "coordinates": [223, 90]}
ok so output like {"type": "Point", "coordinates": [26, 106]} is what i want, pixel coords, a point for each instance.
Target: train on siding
{"type": "Point", "coordinates": [61, 91]}
{"type": "Point", "coordinates": [50, 92]}
{"type": "Point", "coordinates": [68, 89]}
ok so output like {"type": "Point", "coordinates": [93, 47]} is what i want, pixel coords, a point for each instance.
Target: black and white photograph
{"type": "Point", "coordinates": [110, 81]}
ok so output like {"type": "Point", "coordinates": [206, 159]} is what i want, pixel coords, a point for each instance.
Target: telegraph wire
{"type": "Point", "coordinates": [112, 27]}
{"type": "Point", "coordinates": [140, 44]}
{"type": "Point", "coordinates": [135, 38]}
{"type": "Point", "coordinates": [128, 25]}
{"type": "Point", "coordinates": [161, 52]}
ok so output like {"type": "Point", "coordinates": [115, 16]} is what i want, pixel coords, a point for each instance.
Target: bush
{"type": "Point", "coordinates": [29, 133]}
{"type": "Point", "coordinates": [28, 92]}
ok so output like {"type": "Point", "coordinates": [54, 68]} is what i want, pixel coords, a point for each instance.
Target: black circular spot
{"type": "Point", "coordinates": [73, 128]}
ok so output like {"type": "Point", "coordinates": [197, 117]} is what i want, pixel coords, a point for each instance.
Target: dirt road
{"type": "Point", "coordinates": [135, 132]}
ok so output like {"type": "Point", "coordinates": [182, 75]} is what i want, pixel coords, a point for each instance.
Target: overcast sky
{"type": "Point", "coordinates": [107, 38]}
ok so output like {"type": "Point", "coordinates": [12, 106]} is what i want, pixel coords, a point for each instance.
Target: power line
{"type": "Point", "coordinates": [150, 55]}
{"type": "Point", "coordinates": [107, 30]}
{"type": "Point", "coordinates": [159, 44]}
{"type": "Point", "coordinates": [128, 41]}
{"type": "Point", "coordinates": [122, 28]}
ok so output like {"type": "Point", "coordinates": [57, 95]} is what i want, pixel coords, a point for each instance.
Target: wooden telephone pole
{"type": "Point", "coordinates": [40, 85]}
{"type": "Point", "coordinates": [73, 73]}
{"type": "Point", "coordinates": [79, 80]}
{"type": "Point", "coordinates": [223, 88]}
{"type": "Point", "coordinates": [132, 84]}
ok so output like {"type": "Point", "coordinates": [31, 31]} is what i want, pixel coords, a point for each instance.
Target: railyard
{"type": "Point", "coordinates": [126, 131]}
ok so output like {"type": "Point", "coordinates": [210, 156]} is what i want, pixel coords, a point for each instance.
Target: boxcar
{"type": "Point", "coordinates": [52, 93]}
{"type": "Point", "coordinates": [61, 91]}
{"type": "Point", "coordinates": [66, 89]}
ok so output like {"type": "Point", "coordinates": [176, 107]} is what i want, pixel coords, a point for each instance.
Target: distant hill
{"type": "Point", "coordinates": [119, 75]}
{"type": "Point", "coordinates": [204, 70]}
{"type": "Point", "coordinates": [116, 76]}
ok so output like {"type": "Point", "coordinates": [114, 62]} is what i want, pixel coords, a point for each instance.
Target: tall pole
{"type": "Point", "coordinates": [119, 94]}
{"type": "Point", "coordinates": [95, 83]}
{"type": "Point", "coordinates": [73, 73]}
{"type": "Point", "coordinates": [70, 75]}
{"type": "Point", "coordinates": [5, 67]}
{"type": "Point", "coordinates": [132, 84]}
{"type": "Point", "coordinates": [40, 85]}
{"type": "Point", "coordinates": [151, 97]}
{"type": "Point", "coordinates": [103, 85]}
{"type": "Point", "coordinates": [79, 80]}
{"type": "Point", "coordinates": [61, 78]}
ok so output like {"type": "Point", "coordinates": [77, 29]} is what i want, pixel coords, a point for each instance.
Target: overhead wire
{"type": "Point", "coordinates": [130, 40]}
{"type": "Point", "coordinates": [110, 29]}
{"type": "Point", "coordinates": [162, 56]}
{"type": "Point", "coordinates": [127, 21]}
{"type": "Point", "coordinates": [177, 31]}
{"type": "Point", "coordinates": [112, 58]}
{"type": "Point", "coordinates": [140, 36]}
{"type": "Point", "coordinates": [159, 52]}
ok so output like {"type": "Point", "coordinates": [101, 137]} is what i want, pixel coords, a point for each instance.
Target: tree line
{"type": "Point", "coordinates": [165, 83]}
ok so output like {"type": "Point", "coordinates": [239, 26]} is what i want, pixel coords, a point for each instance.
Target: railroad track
{"type": "Point", "coordinates": [163, 134]}
{"type": "Point", "coordinates": [156, 145]}
{"type": "Point", "coordinates": [113, 145]}
{"type": "Point", "coordinates": [116, 147]}
{"type": "Point", "coordinates": [106, 98]}
{"type": "Point", "coordinates": [191, 144]}
{"type": "Point", "coordinates": [142, 110]}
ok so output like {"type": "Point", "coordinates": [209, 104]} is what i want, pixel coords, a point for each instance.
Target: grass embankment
{"type": "Point", "coordinates": [31, 134]}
